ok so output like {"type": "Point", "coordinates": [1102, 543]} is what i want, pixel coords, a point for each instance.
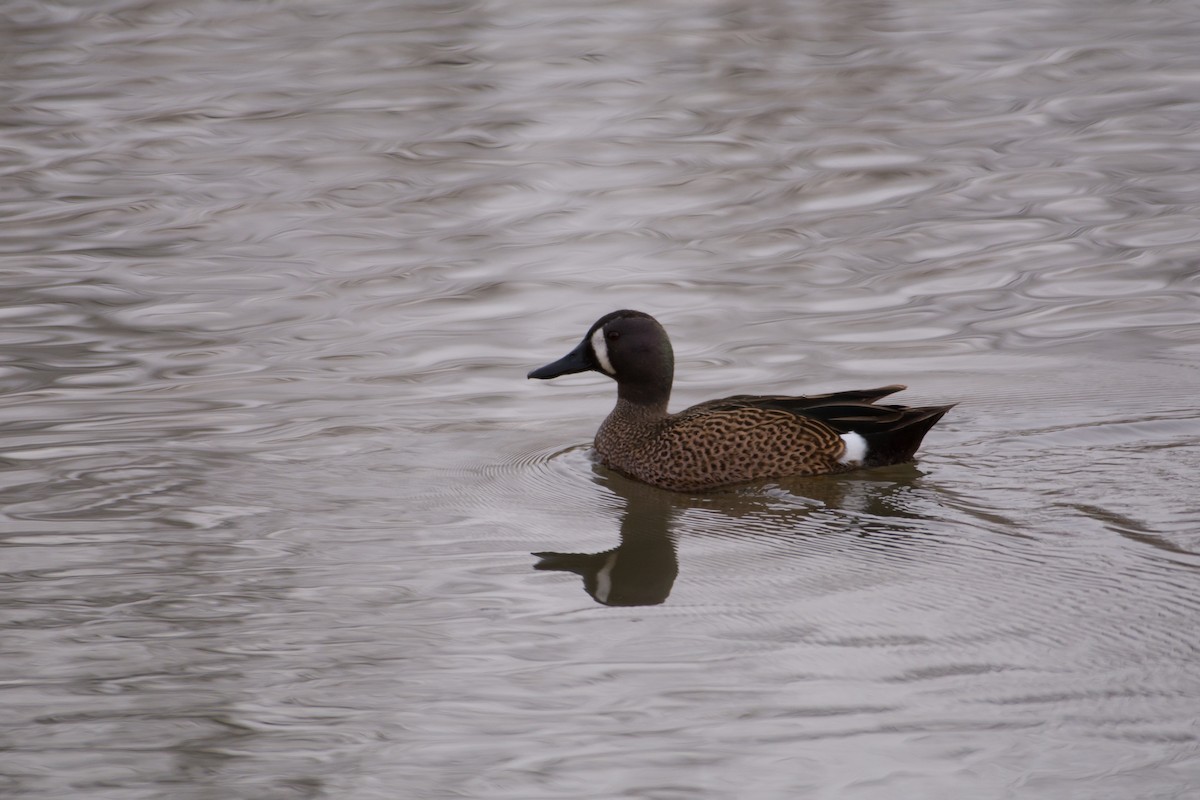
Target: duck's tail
{"type": "Point", "coordinates": [896, 441]}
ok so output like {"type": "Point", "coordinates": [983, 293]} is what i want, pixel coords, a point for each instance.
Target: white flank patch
{"type": "Point", "coordinates": [601, 351]}
{"type": "Point", "coordinates": [856, 449]}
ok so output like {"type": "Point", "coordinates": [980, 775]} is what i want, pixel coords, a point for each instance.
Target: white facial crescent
{"type": "Point", "coordinates": [601, 351]}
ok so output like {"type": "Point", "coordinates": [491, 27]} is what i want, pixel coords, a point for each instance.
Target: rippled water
{"type": "Point", "coordinates": [272, 475]}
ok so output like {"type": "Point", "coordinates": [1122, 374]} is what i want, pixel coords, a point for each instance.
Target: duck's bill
{"type": "Point", "coordinates": [574, 361]}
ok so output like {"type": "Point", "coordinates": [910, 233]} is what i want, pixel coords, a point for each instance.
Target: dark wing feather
{"type": "Point", "coordinates": [797, 405]}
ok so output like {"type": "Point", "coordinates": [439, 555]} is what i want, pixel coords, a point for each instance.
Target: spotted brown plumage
{"type": "Point", "coordinates": [734, 439]}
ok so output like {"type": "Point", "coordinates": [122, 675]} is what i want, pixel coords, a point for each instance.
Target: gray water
{"type": "Point", "coordinates": [272, 476]}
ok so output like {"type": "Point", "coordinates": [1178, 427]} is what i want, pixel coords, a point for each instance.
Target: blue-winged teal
{"type": "Point", "coordinates": [737, 439]}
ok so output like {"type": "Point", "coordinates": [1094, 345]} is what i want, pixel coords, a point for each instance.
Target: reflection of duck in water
{"type": "Point", "coordinates": [737, 439]}
{"type": "Point", "coordinates": [641, 570]}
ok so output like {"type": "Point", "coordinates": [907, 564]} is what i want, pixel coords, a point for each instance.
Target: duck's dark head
{"type": "Point", "coordinates": [628, 346]}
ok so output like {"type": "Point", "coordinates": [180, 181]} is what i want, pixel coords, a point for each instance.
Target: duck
{"type": "Point", "coordinates": [733, 440]}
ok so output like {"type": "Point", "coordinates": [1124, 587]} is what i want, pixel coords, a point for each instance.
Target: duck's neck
{"type": "Point", "coordinates": [629, 425]}
{"type": "Point", "coordinates": [642, 400]}
{"type": "Point", "coordinates": [638, 413]}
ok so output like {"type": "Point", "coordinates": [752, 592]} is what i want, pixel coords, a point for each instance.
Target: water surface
{"type": "Point", "coordinates": [272, 476]}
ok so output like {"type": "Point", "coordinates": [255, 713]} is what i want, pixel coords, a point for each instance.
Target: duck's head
{"type": "Point", "coordinates": [628, 346]}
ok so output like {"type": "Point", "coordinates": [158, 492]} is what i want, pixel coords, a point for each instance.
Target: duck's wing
{"type": "Point", "coordinates": [893, 432]}
{"type": "Point", "coordinates": [798, 405]}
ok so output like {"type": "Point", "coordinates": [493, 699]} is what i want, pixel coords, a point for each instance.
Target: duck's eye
{"type": "Point", "coordinates": [612, 336]}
